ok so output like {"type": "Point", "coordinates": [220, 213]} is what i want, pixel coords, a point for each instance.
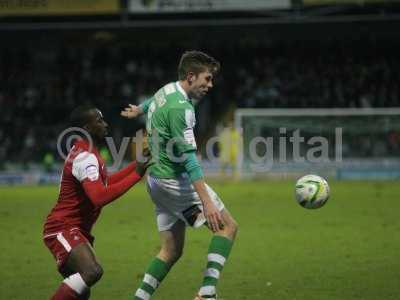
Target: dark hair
{"type": "Point", "coordinates": [197, 62]}
{"type": "Point", "coordinates": [79, 117]}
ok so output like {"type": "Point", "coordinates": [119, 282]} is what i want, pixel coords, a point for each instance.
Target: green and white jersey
{"type": "Point", "coordinates": [169, 124]}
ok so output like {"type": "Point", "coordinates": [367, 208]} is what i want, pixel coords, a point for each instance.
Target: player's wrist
{"type": "Point", "coordinates": [206, 200]}
{"type": "Point", "coordinates": [140, 110]}
{"type": "Point", "coordinates": [141, 166]}
{"type": "Point", "coordinates": [195, 174]}
{"type": "Point", "coordinates": [140, 170]}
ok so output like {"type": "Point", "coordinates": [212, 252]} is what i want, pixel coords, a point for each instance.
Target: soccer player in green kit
{"type": "Point", "coordinates": [176, 181]}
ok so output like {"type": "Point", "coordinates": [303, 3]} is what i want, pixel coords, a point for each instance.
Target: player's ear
{"type": "Point", "coordinates": [191, 77]}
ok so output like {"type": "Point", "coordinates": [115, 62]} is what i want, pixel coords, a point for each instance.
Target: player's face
{"type": "Point", "coordinates": [201, 84]}
{"type": "Point", "coordinates": [97, 127]}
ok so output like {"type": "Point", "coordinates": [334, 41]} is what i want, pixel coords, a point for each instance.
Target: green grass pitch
{"type": "Point", "coordinates": [349, 249]}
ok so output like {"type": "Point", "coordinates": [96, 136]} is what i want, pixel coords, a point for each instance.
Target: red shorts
{"type": "Point", "coordinates": [62, 242]}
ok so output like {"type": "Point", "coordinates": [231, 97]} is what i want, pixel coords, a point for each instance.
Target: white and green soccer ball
{"type": "Point", "coordinates": [312, 191]}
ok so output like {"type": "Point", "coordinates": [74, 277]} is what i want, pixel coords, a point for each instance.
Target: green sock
{"type": "Point", "coordinates": [155, 273]}
{"type": "Point", "coordinates": [218, 252]}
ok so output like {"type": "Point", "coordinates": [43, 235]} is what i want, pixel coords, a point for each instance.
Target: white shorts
{"type": "Point", "coordinates": [176, 199]}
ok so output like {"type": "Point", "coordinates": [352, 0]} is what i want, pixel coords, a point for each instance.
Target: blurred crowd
{"type": "Point", "coordinates": [332, 75]}
{"type": "Point", "coordinates": [41, 84]}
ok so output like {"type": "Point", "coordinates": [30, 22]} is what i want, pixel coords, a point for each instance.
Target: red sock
{"type": "Point", "coordinates": [64, 292]}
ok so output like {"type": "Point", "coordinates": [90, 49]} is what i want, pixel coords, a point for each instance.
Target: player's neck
{"type": "Point", "coordinates": [185, 86]}
{"type": "Point", "coordinates": [93, 142]}
{"type": "Point", "coordinates": [98, 143]}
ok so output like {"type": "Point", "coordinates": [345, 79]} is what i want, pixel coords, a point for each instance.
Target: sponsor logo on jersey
{"type": "Point", "coordinates": [92, 173]}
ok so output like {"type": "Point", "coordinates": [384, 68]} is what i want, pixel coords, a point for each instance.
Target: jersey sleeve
{"type": "Point", "coordinates": [192, 167]}
{"type": "Point", "coordinates": [101, 195]}
{"type": "Point", "coordinates": [85, 166]}
{"type": "Point", "coordinates": [181, 123]}
{"type": "Point", "coordinates": [121, 174]}
{"type": "Point", "coordinates": [145, 105]}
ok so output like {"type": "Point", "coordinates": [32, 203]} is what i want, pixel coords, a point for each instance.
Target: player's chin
{"type": "Point", "coordinates": [102, 135]}
{"type": "Point", "coordinates": [202, 94]}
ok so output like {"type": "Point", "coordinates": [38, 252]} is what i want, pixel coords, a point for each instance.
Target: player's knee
{"type": "Point", "coordinates": [85, 296]}
{"type": "Point", "coordinates": [178, 253]}
{"type": "Point", "coordinates": [92, 274]}
{"type": "Point", "coordinates": [171, 256]}
{"type": "Point", "coordinates": [235, 227]}
{"type": "Point", "coordinates": [231, 228]}
{"type": "Point", "coordinates": [175, 255]}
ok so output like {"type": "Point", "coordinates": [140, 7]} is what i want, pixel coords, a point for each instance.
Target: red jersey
{"type": "Point", "coordinates": [74, 208]}
{"type": "Point", "coordinates": [85, 187]}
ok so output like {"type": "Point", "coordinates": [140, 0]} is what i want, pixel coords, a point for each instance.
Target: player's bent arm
{"type": "Point", "coordinates": [192, 166]}
{"type": "Point", "coordinates": [200, 187]}
{"type": "Point", "coordinates": [196, 176]}
{"type": "Point", "coordinates": [101, 195]}
{"type": "Point", "coordinates": [211, 212]}
{"type": "Point", "coordinates": [121, 174]}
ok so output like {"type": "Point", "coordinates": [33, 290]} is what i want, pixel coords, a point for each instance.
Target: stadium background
{"type": "Point", "coordinates": [55, 55]}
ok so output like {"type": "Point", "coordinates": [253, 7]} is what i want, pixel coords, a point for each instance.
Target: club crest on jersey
{"type": "Point", "coordinates": [92, 173]}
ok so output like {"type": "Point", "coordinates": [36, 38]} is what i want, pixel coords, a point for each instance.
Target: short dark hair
{"type": "Point", "coordinates": [79, 117]}
{"type": "Point", "coordinates": [197, 62]}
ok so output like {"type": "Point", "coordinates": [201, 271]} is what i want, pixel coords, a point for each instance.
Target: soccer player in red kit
{"type": "Point", "coordinates": [85, 188]}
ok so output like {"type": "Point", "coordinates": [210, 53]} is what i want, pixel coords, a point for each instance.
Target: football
{"type": "Point", "coordinates": [312, 191]}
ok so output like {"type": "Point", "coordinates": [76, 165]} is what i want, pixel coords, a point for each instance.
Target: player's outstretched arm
{"type": "Point", "coordinates": [121, 174]}
{"type": "Point", "coordinates": [134, 111]}
{"type": "Point", "coordinates": [101, 195]}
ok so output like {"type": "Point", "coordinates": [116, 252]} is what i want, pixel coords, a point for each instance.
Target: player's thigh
{"type": "Point", "coordinates": [173, 239]}
{"type": "Point", "coordinates": [82, 259]}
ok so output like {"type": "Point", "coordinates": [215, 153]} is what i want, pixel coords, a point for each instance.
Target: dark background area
{"type": "Point", "coordinates": [333, 56]}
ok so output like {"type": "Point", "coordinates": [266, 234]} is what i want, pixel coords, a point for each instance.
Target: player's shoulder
{"type": "Point", "coordinates": [182, 105]}
{"type": "Point", "coordinates": [172, 94]}
{"type": "Point", "coordinates": [171, 99]}
{"type": "Point", "coordinates": [86, 165]}
{"type": "Point", "coordinates": [82, 152]}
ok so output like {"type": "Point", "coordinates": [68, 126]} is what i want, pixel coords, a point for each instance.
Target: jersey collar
{"type": "Point", "coordinates": [181, 90]}
{"type": "Point", "coordinates": [86, 145]}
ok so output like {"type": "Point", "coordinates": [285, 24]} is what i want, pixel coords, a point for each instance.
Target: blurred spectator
{"type": "Point", "coordinates": [40, 85]}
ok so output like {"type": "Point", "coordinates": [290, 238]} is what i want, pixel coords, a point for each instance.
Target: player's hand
{"type": "Point", "coordinates": [131, 112]}
{"type": "Point", "coordinates": [213, 216]}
